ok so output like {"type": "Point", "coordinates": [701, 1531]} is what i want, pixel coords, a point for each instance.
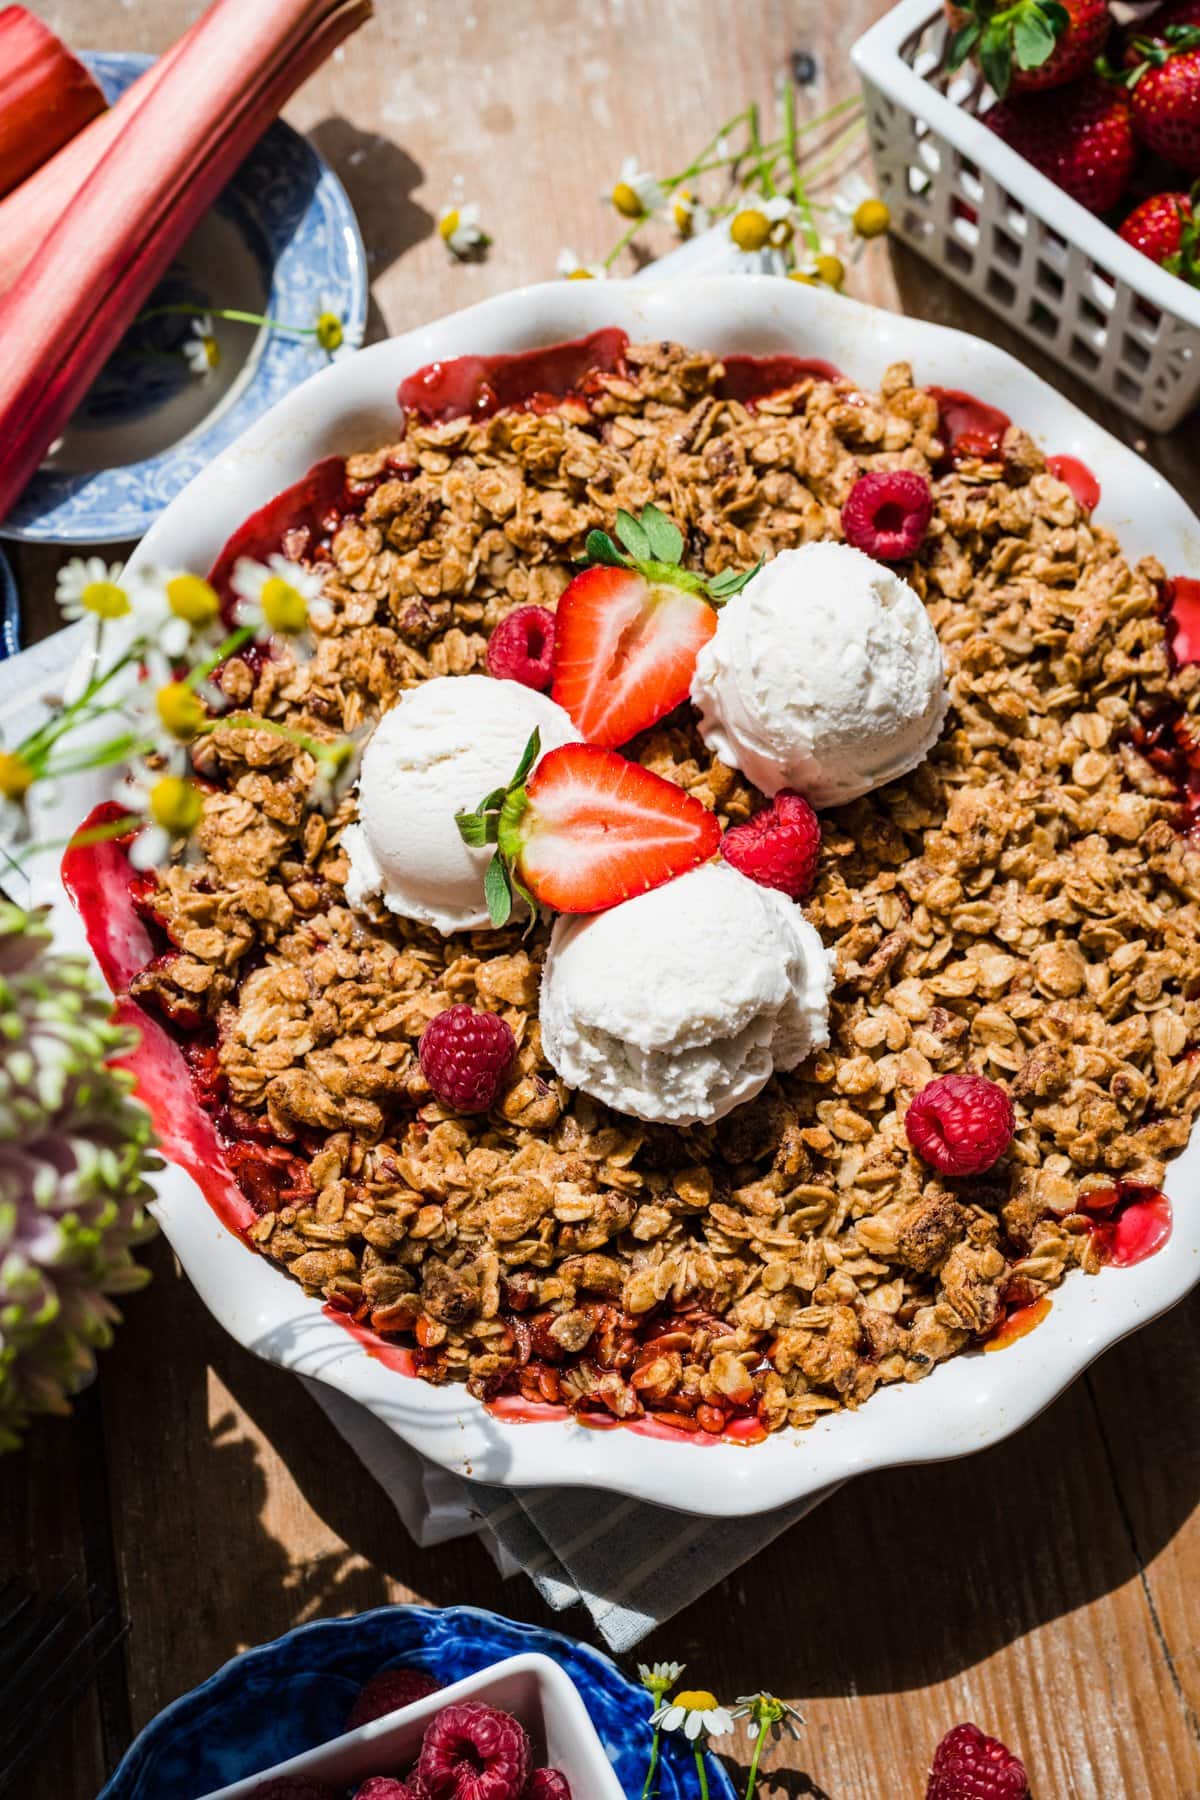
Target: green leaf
{"type": "Point", "coordinates": [498, 892]}
{"type": "Point", "coordinates": [601, 549]}
{"type": "Point", "coordinates": [634, 536]}
{"type": "Point", "coordinates": [494, 801]}
{"type": "Point", "coordinates": [666, 540]}
{"type": "Point", "coordinates": [1033, 40]}
{"type": "Point", "coordinates": [472, 829]}
{"type": "Point", "coordinates": [529, 756]}
{"type": "Point", "coordinates": [962, 44]}
{"type": "Point", "coordinates": [1055, 14]}
{"type": "Point", "coordinates": [535, 911]}
{"type": "Point", "coordinates": [995, 59]}
{"type": "Point", "coordinates": [732, 581]}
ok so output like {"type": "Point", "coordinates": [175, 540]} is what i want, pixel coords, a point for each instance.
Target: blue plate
{"type": "Point", "coordinates": [289, 1696]}
{"type": "Point", "coordinates": [10, 614]}
{"type": "Point", "coordinates": [281, 241]}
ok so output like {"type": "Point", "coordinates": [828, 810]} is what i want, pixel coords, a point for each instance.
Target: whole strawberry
{"type": "Point", "coordinates": [1166, 228]}
{"type": "Point", "coordinates": [1080, 137]}
{"type": "Point", "coordinates": [1155, 28]}
{"type": "Point", "coordinates": [969, 1766]}
{"type": "Point", "coordinates": [1032, 45]}
{"type": "Point", "coordinates": [1166, 96]}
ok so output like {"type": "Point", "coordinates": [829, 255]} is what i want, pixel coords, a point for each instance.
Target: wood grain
{"type": "Point", "coordinates": [1047, 1588]}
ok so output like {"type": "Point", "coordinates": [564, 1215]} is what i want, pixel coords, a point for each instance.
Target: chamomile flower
{"type": "Point", "coordinates": [170, 802]}
{"type": "Point", "coordinates": [333, 333]}
{"type": "Point", "coordinates": [767, 1715]}
{"type": "Point", "coordinates": [176, 611]}
{"type": "Point", "coordinates": [461, 232]}
{"type": "Point", "coordinates": [635, 193]}
{"type": "Point", "coordinates": [860, 212]}
{"type": "Point", "coordinates": [201, 351]}
{"type": "Point", "coordinates": [571, 269]}
{"type": "Point", "coordinates": [689, 215]}
{"type": "Point", "coordinates": [696, 1713]}
{"type": "Point", "coordinates": [88, 586]}
{"type": "Point", "coordinates": [660, 1677]}
{"type": "Point", "coordinates": [820, 264]}
{"type": "Point", "coordinates": [17, 776]}
{"type": "Point", "coordinates": [337, 766]}
{"type": "Point", "coordinates": [761, 223]}
{"type": "Point", "coordinates": [278, 598]}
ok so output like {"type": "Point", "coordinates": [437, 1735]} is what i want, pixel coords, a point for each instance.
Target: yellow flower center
{"type": "Point", "coordinates": [284, 607]}
{"type": "Point", "coordinates": [580, 275]}
{"type": "Point", "coordinates": [212, 351]}
{"type": "Point", "coordinates": [16, 776]}
{"type": "Point", "coordinates": [192, 598]}
{"type": "Point", "coordinates": [872, 218]}
{"type": "Point", "coordinates": [681, 211]}
{"type": "Point", "coordinates": [801, 276]}
{"type": "Point", "coordinates": [176, 804]}
{"type": "Point", "coordinates": [105, 599]}
{"type": "Point", "coordinates": [448, 224]}
{"type": "Point", "coordinates": [330, 332]}
{"type": "Point", "coordinates": [780, 234]}
{"type": "Point", "coordinates": [625, 199]}
{"type": "Point", "coordinates": [831, 270]}
{"type": "Point", "coordinates": [181, 710]}
{"type": "Point", "coordinates": [750, 229]}
{"type": "Point", "coordinates": [696, 1700]}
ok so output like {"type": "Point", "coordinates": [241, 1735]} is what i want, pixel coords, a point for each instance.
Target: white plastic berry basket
{"type": "Point", "coordinates": [967, 202]}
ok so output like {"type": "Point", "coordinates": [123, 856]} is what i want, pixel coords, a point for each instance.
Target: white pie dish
{"type": "Point", "coordinates": [966, 1404]}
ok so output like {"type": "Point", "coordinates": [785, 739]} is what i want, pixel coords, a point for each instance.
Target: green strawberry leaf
{"type": "Point", "coordinates": [600, 548]}
{"type": "Point", "coordinates": [1034, 41]}
{"type": "Point", "coordinates": [529, 756]}
{"type": "Point", "coordinates": [962, 44]}
{"type": "Point", "coordinates": [634, 536]}
{"type": "Point", "coordinates": [475, 830]}
{"type": "Point", "coordinates": [732, 581]}
{"type": "Point", "coordinates": [664, 537]}
{"type": "Point", "coordinates": [995, 59]}
{"type": "Point", "coordinates": [497, 890]}
{"type": "Point", "coordinates": [1055, 14]}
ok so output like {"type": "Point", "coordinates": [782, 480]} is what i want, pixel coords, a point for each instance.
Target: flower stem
{"type": "Point", "coordinates": [650, 1772]}
{"type": "Point", "coordinates": [231, 313]}
{"type": "Point", "coordinates": [752, 1784]}
{"type": "Point", "coordinates": [225, 649]}
{"type": "Point", "coordinates": [808, 224]}
{"type": "Point", "coordinates": [701, 1772]}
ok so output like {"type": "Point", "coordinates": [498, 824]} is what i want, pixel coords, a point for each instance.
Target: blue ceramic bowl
{"type": "Point", "coordinates": [282, 241]}
{"type": "Point", "coordinates": [10, 614]}
{"type": "Point", "coordinates": [282, 1698]}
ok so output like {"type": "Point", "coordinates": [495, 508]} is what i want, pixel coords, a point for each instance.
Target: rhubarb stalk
{"type": "Point", "coordinates": [46, 95]}
{"type": "Point", "coordinates": [164, 169]}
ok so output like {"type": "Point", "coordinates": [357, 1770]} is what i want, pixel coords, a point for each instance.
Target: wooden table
{"type": "Point", "coordinates": [1044, 1588]}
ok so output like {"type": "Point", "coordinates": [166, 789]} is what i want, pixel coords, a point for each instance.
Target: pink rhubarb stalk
{"type": "Point", "coordinates": [46, 95]}
{"type": "Point", "coordinates": [91, 276]}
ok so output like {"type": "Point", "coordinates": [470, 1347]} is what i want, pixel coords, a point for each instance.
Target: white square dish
{"type": "Point", "coordinates": [531, 1687]}
{"type": "Point", "coordinates": [968, 1403]}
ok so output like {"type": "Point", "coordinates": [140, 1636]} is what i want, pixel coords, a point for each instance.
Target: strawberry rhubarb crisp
{"type": "Point", "coordinates": [758, 955]}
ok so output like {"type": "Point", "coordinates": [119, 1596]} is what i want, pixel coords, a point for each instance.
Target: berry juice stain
{"type": "Point", "coordinates": [1079, 479]}
{"type": "Point", "coordinates": [1127, 1221]}
{"type": "Point", "coordinates": [1018, 1322]}
{"type": "Point", "coordinates": [969, 427]}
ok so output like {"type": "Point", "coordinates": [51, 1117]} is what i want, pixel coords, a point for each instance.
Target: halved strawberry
{"type": "Point", "coordinates": [628, 630]}
{"type": "Point", "coordinates": [586, 830]}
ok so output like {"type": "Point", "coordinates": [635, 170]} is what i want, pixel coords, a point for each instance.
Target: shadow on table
{"type": "Point", "coordinates": [381, 178]}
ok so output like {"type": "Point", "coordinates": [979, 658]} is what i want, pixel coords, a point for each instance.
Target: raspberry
{"type": "Point", "coordinates": [388, 1691]}
{"type": "Point", "coordinates": [961, 1124]}
{"type": "Point", "coordinates": [473, 1752]}
{"type": "Point", "coordinates": [888, 513]}
{"type": "Point", "coordinates": [969, 1766]}
{"type": "Point", "coordinates": [779, 846]}
{"type": "Point", "coordinates": [548, 1784]}
{"type": "Point", "coordinates": [385, 1787]}
{"type": "Point", "coordinates": [522, 648]}
{"type": "Point", "coordinates": [465, 1056]}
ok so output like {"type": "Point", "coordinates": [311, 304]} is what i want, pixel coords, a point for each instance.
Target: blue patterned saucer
{"type": "Point", "coordinates": [281, 241]}
{"type": "Point", "coordinates": [282, 1698]}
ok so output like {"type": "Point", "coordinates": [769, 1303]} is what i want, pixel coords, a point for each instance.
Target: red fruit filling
{"type": "Point", "coordinates": [387, 1692]}
{"type": "Point", "coordinates": [474, 1752]}
{"type": "Point", "coordinates": [969, 1766]}
{"type": "Point", "coordinates": [465, 1056]}
{"type": "Point", "coordinates": [548, 1784]}
{"type": "Point", "coordinates": [961, 1124]}
{"type": "Point", "coordinates": [779, 846]}
{"type": "Point", "coordinates": [386, 1787]}
{"type": "Point", "coordinates": [887, 513]}
{"type": "Point", "coordinates": [522, 648]}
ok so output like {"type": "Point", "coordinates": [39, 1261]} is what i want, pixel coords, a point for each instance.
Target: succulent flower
{"type": "Point", "coordinates": [75, 1150]}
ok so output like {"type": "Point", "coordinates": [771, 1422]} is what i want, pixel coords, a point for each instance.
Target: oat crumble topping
{"type": "Point", "coordinates": [1021, 906]}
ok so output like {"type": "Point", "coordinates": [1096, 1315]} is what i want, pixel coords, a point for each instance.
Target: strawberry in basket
{"type": "Point", "coordinates": [1080, 136]}
{"type": "Point", "coordinates": [1031, 45]}
{"type": "Point", "coordinates": [1166, 228]}
{"type": "Point", "coordinates": [1165, 88]}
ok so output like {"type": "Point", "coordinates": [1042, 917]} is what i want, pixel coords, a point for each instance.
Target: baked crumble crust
{"type": "Point", "coordinates": [1021, 906]}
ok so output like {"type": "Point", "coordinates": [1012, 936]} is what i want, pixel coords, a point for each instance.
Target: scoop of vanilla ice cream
{"type": "Point", "coordinates": [678, 1005]}
{"type": "Point", "coordinates": [440, 749]}
{"type": "Point", "coordinates": [824, 674]}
